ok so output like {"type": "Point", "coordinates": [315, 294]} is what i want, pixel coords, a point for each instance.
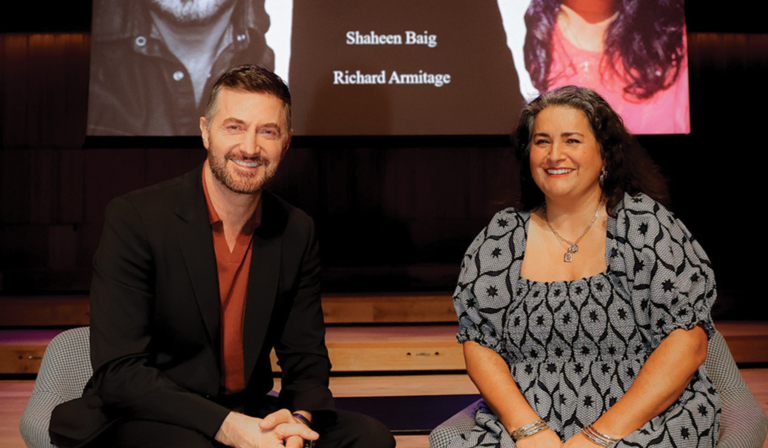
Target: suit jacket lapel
{"type": "Point", "coordinates": [196, 244]}
{"type": "Point", "coordinates": [263, 281]}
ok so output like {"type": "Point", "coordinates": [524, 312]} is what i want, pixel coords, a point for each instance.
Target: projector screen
{"type": "Point", "coordinates": [401, 67]}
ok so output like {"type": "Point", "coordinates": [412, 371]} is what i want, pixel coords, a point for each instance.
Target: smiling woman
{"type": "Point", "coordinates": [603, 345]}
{"type": "Point", "coordinates": [565, 156]}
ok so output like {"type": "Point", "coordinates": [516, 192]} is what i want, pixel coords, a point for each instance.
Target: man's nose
{"type": "Point", "coordinates": [251, 145]}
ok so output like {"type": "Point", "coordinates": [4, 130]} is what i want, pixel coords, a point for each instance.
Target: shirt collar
{"type": "Point", "coordinates": [253, 223]}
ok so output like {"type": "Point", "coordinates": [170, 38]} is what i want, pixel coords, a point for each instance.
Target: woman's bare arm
{"type": "Point", "coordinates": [660, 382]}
{"type": "Point", "coordinates": [491, 375]}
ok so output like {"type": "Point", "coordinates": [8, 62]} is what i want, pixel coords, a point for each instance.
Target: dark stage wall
{"type": "Point", "coordinates": [392, 213]}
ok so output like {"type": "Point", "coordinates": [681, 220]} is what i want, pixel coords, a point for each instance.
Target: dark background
{"type": "Point", "coordinates": [393, 213]}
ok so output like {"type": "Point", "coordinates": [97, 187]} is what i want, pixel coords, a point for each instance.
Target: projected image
{"type": "Point", "coordinates": [153, 62]}
{"type": "Point", "coordinates": [400, 67]}
{"type": "Point", "coordinates": [632, 53]}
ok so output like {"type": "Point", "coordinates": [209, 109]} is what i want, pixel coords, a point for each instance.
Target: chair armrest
{"type": "Point", "coordinates": [461, 423]}
{"type": "Point", "coordinates": [743, 424]}
{"type": "Point", "coordinates": [37, 417]}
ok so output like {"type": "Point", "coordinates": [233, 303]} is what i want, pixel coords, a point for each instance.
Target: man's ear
{"type": "Point", "coordinates": [204, 131]}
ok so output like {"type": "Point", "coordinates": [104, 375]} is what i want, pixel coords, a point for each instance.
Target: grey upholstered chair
{"type": "Point", "coordinates": [743, 424]}
{"type": "Point", "coordinates": [65, 369]}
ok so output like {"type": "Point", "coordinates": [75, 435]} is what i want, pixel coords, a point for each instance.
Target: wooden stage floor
{"type": "Point", "coordinates": [14, 396]}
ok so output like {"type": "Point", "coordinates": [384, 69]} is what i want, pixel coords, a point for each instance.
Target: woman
{"type": "Point", "coordinates": [630, 52]}
{"type": "Point", "coordinates": [592, 295]}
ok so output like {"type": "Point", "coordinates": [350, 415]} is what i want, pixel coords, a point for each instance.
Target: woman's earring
{"type": "Point", "coordinates": [602, 177]}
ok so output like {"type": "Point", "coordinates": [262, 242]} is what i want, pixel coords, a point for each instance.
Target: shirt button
{"type": "Point", "coordinates": [178, 75]}
{"type": "Point", "coordinates": [240, 37]}
{"type": "Point", "coordinates": [141, 41]}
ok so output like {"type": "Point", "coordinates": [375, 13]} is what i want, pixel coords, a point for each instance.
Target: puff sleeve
{"type": "Point", "coordinates": [662, 267]}
{"type": "Point", "coordinates": [485, 287]}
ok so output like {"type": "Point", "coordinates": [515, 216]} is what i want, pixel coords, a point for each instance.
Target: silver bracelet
{"type": "Point", "coordinates": [529, 430]}
{"type": "Point", "coordinates": [598, 437]}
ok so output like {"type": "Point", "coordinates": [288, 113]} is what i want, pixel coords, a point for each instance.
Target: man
{"type": "Point", "coordinates": [195, 281]}
{"type": "Point", "coordinates": [153, 60]}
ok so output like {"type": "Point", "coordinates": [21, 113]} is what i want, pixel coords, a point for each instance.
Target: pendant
{"type": "Point", "coordinates": [569, 255]}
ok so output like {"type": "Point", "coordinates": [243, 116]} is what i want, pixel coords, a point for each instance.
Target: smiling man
{"type": "Point", "coordinates": [195, 281]}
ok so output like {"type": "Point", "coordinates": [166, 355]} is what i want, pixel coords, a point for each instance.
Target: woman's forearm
{"type": "Point", "coordinates": [660, 382]}
{"type": "Point", "coordinates": [491, 375]}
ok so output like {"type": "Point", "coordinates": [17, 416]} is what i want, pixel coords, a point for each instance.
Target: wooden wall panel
{"type": "Point", "coordinates": [70, 186]}
{"type": "Point", "coordinates": [45, 89]}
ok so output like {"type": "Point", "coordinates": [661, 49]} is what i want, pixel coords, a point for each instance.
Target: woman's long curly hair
{"type": "Point", "coordinates": [645, 43]}
{"type": "Point", "coordinates": [628, 167]}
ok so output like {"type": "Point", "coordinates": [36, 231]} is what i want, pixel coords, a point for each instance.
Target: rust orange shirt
{"type": "Point", "coordinates": [232, 268]}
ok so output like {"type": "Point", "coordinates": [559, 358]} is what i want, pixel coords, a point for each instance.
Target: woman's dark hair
{"type": "Point", "coordinates": [629, 168]}
{"type": "Point", "coordinates": [646, 40]}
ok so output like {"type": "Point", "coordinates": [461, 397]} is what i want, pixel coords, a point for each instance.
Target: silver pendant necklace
{"type": "Point", "coordinates": [572, 247]}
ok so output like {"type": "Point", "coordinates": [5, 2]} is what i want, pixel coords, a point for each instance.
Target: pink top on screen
{"type": "Point", "coordinates": [667, 112]}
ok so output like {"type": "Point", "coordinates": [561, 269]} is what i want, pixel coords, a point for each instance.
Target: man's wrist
{"type": "Point", "coordinates": [303, 417]}
{"type": "Point", "coordinates": [223, 434]}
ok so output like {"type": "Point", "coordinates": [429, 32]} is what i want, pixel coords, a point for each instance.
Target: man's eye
{"type": "Point", "coordinates": [269, 133]}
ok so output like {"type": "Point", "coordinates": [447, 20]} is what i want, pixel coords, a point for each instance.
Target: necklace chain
{"type": "Point", "coordinates": [572, 247]}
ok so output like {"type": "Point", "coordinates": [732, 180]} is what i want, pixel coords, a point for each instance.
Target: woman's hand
{"type": "Point", "coordinates": [542, 439]}
{"type": "Point", "coordinates": [580, 441]}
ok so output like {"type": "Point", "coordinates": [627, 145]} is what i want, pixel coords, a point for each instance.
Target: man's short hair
{"type": "Point", "coordinates": [250, 78]}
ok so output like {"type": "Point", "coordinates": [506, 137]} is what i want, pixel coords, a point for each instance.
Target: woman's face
{"type": "Point", "coordinates": [565, 156]}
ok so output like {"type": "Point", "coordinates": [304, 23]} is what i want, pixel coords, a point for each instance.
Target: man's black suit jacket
{"type": "Point", "coordinates": [155, 315]}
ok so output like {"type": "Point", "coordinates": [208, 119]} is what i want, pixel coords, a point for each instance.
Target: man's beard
{"type": "Point", "coordinates": [243, 183]}
{"type": "Point", "coordinates": [191, 10]}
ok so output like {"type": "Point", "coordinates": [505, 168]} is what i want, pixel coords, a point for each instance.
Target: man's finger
{"type": "Point", "coordinates": [276, 418]}
{"type": "Point", "coordinates": [286, 430]}
{"type": "Point", "coordinates": [294, 442]}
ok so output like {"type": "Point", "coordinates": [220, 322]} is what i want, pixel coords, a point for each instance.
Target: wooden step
{"type": "Point", "coordinates": [747, 340]}
{"type": "Point", "coordinates": [399, 385]}
{"type": "Point", "coordinates": [351, 349]}
{"type": "Point", "coordinates": [338, 308]}
{"type": "Point", "coordinates": [45, 311]}
{"type": "Point", "coordinates": [379, 348]}
{"type": "Point", "coordinates": [21, 351]}
{"type": "Point", "coordinates": [420, 307]}
{"type": "Point", "coordinates": [401, 348]}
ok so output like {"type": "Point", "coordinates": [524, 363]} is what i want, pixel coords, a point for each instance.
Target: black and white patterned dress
{"type": "Point", "coordinates": [575, 347]}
